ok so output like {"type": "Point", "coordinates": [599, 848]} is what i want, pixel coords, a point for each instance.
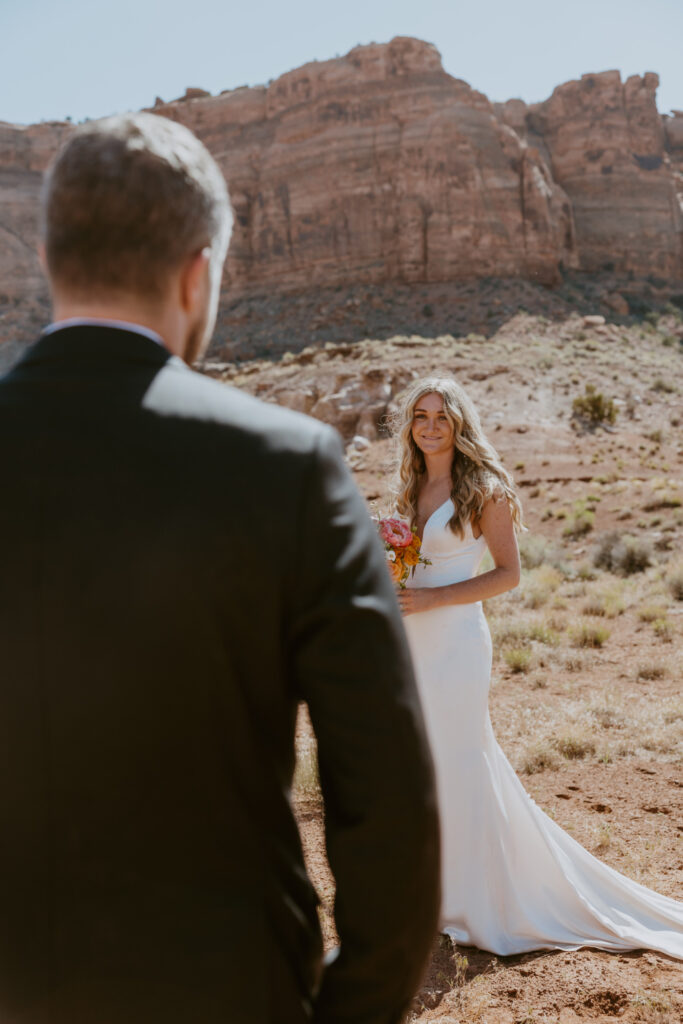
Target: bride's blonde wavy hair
{"type": "Point", "coordinates": [477, 473]}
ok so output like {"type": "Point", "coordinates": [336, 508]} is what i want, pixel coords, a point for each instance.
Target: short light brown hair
{"type": "Point", "coordinates": [126, 201]}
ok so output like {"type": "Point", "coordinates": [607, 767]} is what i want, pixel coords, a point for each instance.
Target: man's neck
{"type": "Point", "coordinates": [152, 319]}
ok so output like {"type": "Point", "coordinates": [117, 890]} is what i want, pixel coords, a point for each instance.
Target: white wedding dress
{"type": "Point", "coordinates": [513, 881]}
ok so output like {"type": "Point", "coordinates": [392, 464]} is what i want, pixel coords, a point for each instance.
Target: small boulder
{"type": "Point", "coordinates": [617, 303]}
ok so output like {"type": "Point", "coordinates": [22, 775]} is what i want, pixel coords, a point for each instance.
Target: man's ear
{"type": "Point", "coordinates": [194, 280]}
{"type": "Point", "coordinates": [42, 257]}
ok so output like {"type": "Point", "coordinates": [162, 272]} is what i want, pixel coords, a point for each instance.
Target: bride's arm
{"type": "Point", "coordinates": [498, 529]}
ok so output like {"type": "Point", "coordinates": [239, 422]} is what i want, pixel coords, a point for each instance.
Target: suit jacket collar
{"type": "Point", "coordinates": [95, 344]}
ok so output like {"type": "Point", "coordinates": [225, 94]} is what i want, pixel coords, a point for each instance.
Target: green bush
{"type": "Point", "coordinates": [594, 407]}
{"type": "Point", "coordinates": [518, 659]}
{"type": "Point", "coordinates": [582, 521]}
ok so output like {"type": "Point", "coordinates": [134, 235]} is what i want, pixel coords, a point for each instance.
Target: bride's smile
{"type": "Point", "coordinates": [431, 429]}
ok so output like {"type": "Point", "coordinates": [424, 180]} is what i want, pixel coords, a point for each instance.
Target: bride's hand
{"type": "Point", "coordinates": [415, 599]}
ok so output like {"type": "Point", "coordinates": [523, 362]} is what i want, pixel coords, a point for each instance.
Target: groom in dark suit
{"type": "Point", "coordinates": [182, 564]}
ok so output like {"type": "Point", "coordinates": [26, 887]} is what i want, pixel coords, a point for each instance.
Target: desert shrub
{"type": "Point", "coordinates": [542, 634]}
{"type": "Point", "coordinates": [538, 758]}
{"type": "Point", "coordinates": [663, 629]}
{"type": "Point", "coordinates": [665, 386]}
{"type": "Point", "coordinates": [518, 659]}
{"type": "Point", "coordinates": [539, 584]}
{"type": "Point", "coordinates": [662, 499]}
{"type": "Point", "coordinates": [581, 523]}
{"type": "Point", "coordinates": [575, 748]}
{"type": "Point", "coordinates": [607, 603]}
{"type": "Point", "coordinates": [650, 671]}
{"type": "Point", "coordinates": [675, 583]}
{"type": "Point", "coordinates": [594, 407]}
{"type": "Point", "coordinates": [573, 662]}
{"type": "Point", "coordinates": [519, 633]}
{"type": "Point", "coordinates": [608, 716]}
{"type": "Point", "coordinates": [621, 553]}
{"type": "Point", "coordinates": [533, 550]}
{"type": "Point", "coordinates": [588, 634]}
{"type": "Point", "coordinates": [651, 612]}
{"type": "Point", "coordinates": [511, 633]}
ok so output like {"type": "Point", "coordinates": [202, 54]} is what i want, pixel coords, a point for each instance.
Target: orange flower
{"type": "Point", "coordinates": [411, 555]}
{"type": "Point", "coordinates": [396, 570]}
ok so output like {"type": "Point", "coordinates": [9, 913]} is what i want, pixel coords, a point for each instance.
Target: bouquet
{"type": "Point", "coordinates": [402, 546]}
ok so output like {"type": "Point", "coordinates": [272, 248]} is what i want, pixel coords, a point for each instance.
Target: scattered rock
{"type": "Point", "coordinates": [593, 321]}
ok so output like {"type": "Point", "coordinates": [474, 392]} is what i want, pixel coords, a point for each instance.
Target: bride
{"type": "Point", "coordinates": [513, 881]}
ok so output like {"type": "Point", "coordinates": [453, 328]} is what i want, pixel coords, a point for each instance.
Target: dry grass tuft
{"type": "Point", "coordinates": [587, 634]}
{"type": "Point", "coordinates": [581, 522]}
{"type": "Point", "coordinates": [518, 659]}
{"type": "Point", "coordinates": [651, 612]}
{"type": "Point", "coordinates": [515, 633]}
{"type": "Point", "coordinates": [534, 550]}
{"type": "Point", "coordinates": [664, 629]}
{"type": "Point", "coordinates": [539, 584]}
{"type": "Point", "coordinates": [538, 758]}
{"type": "Point", "coordinates": [574, 746]}
{"type": "Point", "coordinates": [607, 603]}
{"type": "Point", "coordinates": [622, 553]}
{"type": "Point", "coordinates": [650, 671]}
{"type": "Point", "coordinates": [608, 716]}
{"type": "Point", "coordinates": [674, 580]}
{"type": "Point", "coordinates": [653, 1008]}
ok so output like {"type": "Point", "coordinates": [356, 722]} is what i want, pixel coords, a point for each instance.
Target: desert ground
{"type": "Point", "coordinates": [586, 690]}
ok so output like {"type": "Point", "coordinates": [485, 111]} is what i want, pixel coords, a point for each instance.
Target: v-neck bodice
{"type": "Point", "coordinates": [453, 558]}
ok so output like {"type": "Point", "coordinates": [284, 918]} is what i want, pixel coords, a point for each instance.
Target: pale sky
{"type": "Point", "coordinates": [88, 58]}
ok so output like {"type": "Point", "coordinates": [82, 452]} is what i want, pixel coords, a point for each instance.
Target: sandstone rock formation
{"type": "Point", "coordinates": [24, 155]}
{"type": "Point", "coordinates": [605, 144]}
{"type": "Point", "coordinates": [379, 168]}
{"type": "Point", "coordinates": [673, 137]}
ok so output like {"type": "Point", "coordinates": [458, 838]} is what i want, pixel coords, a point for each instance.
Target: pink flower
{"type": "Point", "coordinates": [395, 532]}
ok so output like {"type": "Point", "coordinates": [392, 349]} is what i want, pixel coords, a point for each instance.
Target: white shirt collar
{"type": "Point", "coordinates": [93, 321]}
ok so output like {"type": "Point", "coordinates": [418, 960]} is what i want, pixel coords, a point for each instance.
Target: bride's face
{"type": "Point", "coordinates": [431, 430]}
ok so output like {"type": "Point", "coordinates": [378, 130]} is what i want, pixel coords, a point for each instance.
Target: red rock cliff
{"type": "Point", "coordinates": [380, 167]}
{"type": "Point", "coordinates": [606, 147]}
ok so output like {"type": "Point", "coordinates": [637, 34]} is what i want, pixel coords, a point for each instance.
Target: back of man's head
{"type": "Point", "coordinates": [126, 201]}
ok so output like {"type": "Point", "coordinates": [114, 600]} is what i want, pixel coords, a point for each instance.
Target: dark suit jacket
{"type": "Point", "coordinates": [181, 565]}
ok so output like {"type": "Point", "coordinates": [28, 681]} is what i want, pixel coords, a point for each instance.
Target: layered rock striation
{"type": "Point", "coordinates": [380, 168]}
{"type": "Point", "coordinates": [376, 167]}
{"type": "Point", "coordinates": [615, 157]}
